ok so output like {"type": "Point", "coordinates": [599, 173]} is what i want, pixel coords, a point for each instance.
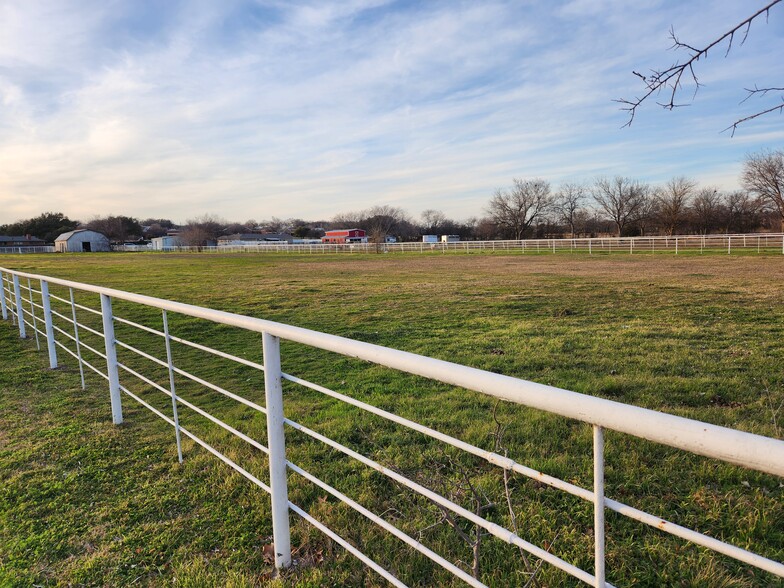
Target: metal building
{"type": "Point", "coordinates": [81, 241]}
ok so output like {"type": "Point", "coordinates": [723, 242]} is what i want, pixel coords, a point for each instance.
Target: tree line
{"type": "Point", "coordinates": [529, 208]}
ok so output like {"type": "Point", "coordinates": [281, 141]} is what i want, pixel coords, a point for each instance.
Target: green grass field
{"type": "Point", "coordinates": [86, 503]}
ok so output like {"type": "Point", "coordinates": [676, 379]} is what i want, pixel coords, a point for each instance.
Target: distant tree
{"type": "Point", "coordinates": [706, 210]}
{"type": "Point", "coordinates": [153, 230]}
{"type": "Point", "coordinates": [763, 176]}
{"type": "Point", "coordinates": [647, 215]}
{"type": "Point", "coordinates": [621, 198]}
{"type": "Point", "coordinates": [673, 201]}
{"type": "Point", "coordinates": [347, 220]}
{"type": "Point", "coordinates": [117, 228]}
{"type": "Point", "coordinates": [47, 226]}
{"type": "Point", "coordinates": [741, 212]}
{"type": "Point", "coordinates": [568, 204]}
{"type": "Point", "coordinates": [202, 230]}
{"type": "Point", "coordinates": [516, 210]}
{"type": "Point", "coordinates": [433, 221]}
{"type": "Point", "coordinates": [163, 222]}
{"type": "Point", "coordinates": [485, 229]}
{"type": "Point", "coordinates": [381, 221]}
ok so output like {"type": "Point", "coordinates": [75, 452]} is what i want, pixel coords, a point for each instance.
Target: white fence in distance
{"type": "Point", "coordinates": [678, 244]}
{"type": "Point", "coordinates": [39, 310]}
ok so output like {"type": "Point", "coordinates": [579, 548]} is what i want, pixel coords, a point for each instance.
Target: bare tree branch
{"type": "Point", "coordinates": [671, 79]}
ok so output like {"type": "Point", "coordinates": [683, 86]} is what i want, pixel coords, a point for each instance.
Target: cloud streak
{"type": "Point", "coordinates": [254, 109]}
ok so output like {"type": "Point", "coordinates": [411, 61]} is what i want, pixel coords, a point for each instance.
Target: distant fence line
{"type": "Point", "coordinates": [759, 242]}
{"type": "Point", "coordinates": [40, 249]}
{"type": "Point", "coordinates": [768, 242]}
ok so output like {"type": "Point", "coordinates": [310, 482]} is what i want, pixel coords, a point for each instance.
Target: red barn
{"type": "Point", "coordinates": [345, 236]}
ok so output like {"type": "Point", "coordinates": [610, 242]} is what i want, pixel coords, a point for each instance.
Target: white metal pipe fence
{"type": "Point", "coordinates": [751, 451]}
{"type": "Point", "coordinates": [675, 245]}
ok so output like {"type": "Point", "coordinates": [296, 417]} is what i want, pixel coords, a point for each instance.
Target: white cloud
{"type": "Point", "coordinates": [318, 108]}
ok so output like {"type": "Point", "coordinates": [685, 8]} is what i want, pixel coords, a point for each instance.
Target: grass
{"type": "Point", "coordinates": [86, 503]}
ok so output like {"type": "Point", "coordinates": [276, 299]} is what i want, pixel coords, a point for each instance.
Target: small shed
{"type": "Point", "coordinates": [164, 243]}
{"type": "Point", "coordinates": [81, 240]}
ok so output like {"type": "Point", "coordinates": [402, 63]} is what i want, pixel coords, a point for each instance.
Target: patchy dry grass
{"type": "Point", "coordinates": [85, 503]}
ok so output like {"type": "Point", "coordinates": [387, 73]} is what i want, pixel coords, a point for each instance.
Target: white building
{"type": "Point", "coordinates": [81, 241]}
{"type": "Point", "coordinates": [161, 243]}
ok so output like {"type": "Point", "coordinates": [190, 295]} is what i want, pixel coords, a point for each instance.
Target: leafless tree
{"type": "Point", "coordinates": [202, 230]}
{"type": "Point", "coordinates": [705, 210]}
{"type": "Point", "coordinates": [433, 221]}
{"type": "Point", "coordinates": [568, 203]}
{"type": "Point", "coordinates": [763, 176]}
{"type": "Point", "coordinates": [673, 202]}
{"type": "Point", "coordinates": [670, 80]}
{"type": "Point", "coordinates": [383, 220]}
{"type": "Point", "coordinates": [117, 228]}
{"type": "Point", "coordinates": [517, 209]}
{"type": "Point", "coordinates": [741, 212]}
{"type": "Point", "coordinates": [621, 198]}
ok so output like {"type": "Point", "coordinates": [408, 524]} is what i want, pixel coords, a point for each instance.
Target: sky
{"type": "Point", "coordinates": [254, 109]}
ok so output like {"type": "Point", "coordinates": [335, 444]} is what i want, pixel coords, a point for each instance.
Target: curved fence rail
{"type": "Point", "coordinates": [60, 324]}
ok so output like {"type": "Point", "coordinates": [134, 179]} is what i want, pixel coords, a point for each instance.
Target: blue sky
{"type": "Point", "coordinates": [256, 109]}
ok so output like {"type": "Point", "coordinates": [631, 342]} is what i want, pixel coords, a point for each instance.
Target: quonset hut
{"type": "Point", "coordinates": [81, 241]}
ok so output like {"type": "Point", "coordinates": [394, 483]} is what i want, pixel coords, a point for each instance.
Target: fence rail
{"type": "Point", "coordinates": [17, 250]}
{"type": "Point", "coordinates": [678, 244]}
{"type": "Point", "coordinates": [31, 308]}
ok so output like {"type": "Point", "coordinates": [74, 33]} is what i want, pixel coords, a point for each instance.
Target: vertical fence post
{"type": "Point", "coordinates": [111, 359]}
{"type": "Point", "coordinates": [277, 451]}
{"type": "Point", "coordinates": [598, 512]}
{"type": "Point", "coordinates": [3, 306]}
{"type": "Point", "coordinates": [729, 245]}
{"type": "Point", "coordinates": [590, 252]}
{"type": "Point", "coordinates": [49, 324]}
{"type": "Point", "coordinates": [18, 306]}
{"type": "Point", "coordinates": [676, 246]}
{"type": "Point", "coordinates": [171, 385]}
{"type": "Point", "coordinates": [32, 312]}
{"type": "Point", "coordinates": [76, 336]}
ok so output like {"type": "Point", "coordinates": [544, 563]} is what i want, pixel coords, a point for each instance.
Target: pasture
{"type": "Point", "coordinates": [86, 503]}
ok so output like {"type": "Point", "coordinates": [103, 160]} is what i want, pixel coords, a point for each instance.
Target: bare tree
{"type": "Point", "coordinates": [673, 202]}
{"type": "Point", "coordinates": [117, 228]}
{"type": "Point", "coordinates": [202, 230]}
{"type": "Point", "coordinates": [705, 209]}
{"type": "Point", "coordinates": [433, 221]}
{"type": "Point", "coordinates": [763, 175]}
{"type": "Point", "coordinates": [568, 203]}
{"type": "Point", "coordinates": [621, 198]}
{"type": "Point", "coordinates": [517, 209]}
{"type": "Point", "coordinates": [383, 220]}
{"type": "Point", "coordinates": [741, 212]}
{"type": "Point", "coordinates": [671, 79]}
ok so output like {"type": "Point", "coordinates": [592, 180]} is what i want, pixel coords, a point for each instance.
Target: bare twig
{"type": "Point", "coordinates": [671, 79]}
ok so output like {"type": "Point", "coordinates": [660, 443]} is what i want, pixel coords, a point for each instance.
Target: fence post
{"type": "Point", "coordinates": [676, 246]}
{"type": "Point", "coordinates": [111, 359]}
{"type": "Point", "coordinates": [277, 451]}
{"type": "Point", "coordinates": [18, 306]}
{"type": "Point", "coordinates": [598, 512]}
{"type": "Point", "coordinates": [729, 245]}
{"type": "Point", "coordinates": [49, 325]}
{"type": "Point", "coordinates": [3, 307]}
